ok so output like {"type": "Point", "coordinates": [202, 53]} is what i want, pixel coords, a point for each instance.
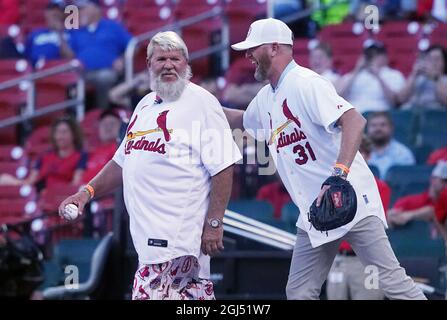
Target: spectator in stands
{"type": "Point", "coordinates": [347, 276]}
{"type": "Point", "coordinates": [372, 85]}
{"type": "Point", "coordinates": [276, 194]}
{"type": "Point", "coordinates": [428, 10]}
{"type": "Point", "coordinates": [99, 44]}
{"type": "Point", "coordinates": [426, 86]}
{"type": "Point", "coordinates": [129, 94]}
{"type": "Point", "coordinates": [320, 61]}
{"type": "Point", "coordinates": [9, 12]}
{"type": "Point", "coordinates": [437, 155]}
{"type": "Point", "coordinates": [327, 12]}
{"type": "Point", "coordinates": [65, 163]}
{"type": "Point", "coordinates": [241, 87]}
{"type": "Point", "coordinates": [386, 151]}
{"type": "Point", "coordinates": [8, 48]}
{"type": "Point", "coordinates": [108, 132]}
{"type": "Point", "coordinates": [441, 215]}
{"type": "Point", "coordinates": [420, 206]}
{"type": "Point", "coordinates": [51, 42]}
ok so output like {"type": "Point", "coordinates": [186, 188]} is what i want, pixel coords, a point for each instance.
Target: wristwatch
{"type": "Point", "coordinates": [215, 223]}
{"type": "Point", "coordinates": [338, 172]}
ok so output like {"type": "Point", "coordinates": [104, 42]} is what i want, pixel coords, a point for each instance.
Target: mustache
{"type": "Point", "coordinates": [169, 73]}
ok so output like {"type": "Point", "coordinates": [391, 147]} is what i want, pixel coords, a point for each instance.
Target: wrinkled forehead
{"type": "Point", "coordinates": [167, 53]}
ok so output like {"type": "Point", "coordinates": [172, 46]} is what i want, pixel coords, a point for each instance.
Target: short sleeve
{"type": "Point", "coordinates": [217, 148]}
{"type": "Point", "coordinates": [118, 157]}
{"type": "Point", "coordinates": [398, 82]}
{"type": "Point", "coordinates": [406, 156]}
{"type": "Point", "coordinates": [322, 103]}
{"type": "Point", "coordinates": [252, 121]}
{"type": "Point", "coordinates": [441, 206]}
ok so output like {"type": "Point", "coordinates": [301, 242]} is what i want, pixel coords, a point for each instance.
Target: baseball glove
{"type": "Point", "coordinates": [338, 205]}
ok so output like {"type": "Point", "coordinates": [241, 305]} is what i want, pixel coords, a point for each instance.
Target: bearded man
{"type": "Point", "coordinates": [176, 167]}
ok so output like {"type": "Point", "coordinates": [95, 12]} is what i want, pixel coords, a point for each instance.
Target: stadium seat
{"type": "Point", "coordinates": [259, 210]}
{"type": "Point", "coordinates": [15, 169]}
{"type": "Point", "coordinates": [50, 198]}
{"type": "Point", "coordinates": [13, 153]}
{"type": "Point", "coordinates": [38, 142]}
{"type": "Point", "coordinates": [18, 207]}
{"type": "Point", "coordinates": [399, 177]}
{"type": "Point", "coordinates": [290, 213]}
{"type": "Point", "coordinates": [94, 256]}
{"type": "Point", "coordinates": [404, 126]}
{"type": "Point", "coordinates": [241, 13]}
{"type": "Point", "coordinates": [433, 139]}
{"type": "Point", "coordinates": [69, 252]}
{"type": "Point", "coordinates": [421, 153]}
{"type": "Point", "coordinates": [25, 192]}
{"type": "Point", "coordinates": [414, 240]}
{"type": "Point", "coordinates": [435, 121]}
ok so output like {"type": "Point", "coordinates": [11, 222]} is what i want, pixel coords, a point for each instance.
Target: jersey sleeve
{"type": "Point", "coordinates": [252, 121]}
{"type": "Point", "coordinates": [118, 157]}
{"type": "Point", "coordinates": [322, 103]}
{"type": "Point", "coordinates": [217, 147]}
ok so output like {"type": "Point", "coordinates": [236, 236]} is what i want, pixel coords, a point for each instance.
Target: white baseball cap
{"type": "Point", "coordinates": [440, 170]}
{"type": "Point", "coordinates": [265, 31]}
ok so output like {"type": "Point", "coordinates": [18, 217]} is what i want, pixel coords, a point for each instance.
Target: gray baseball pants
{"type": "Point", "coordinates": [310, 266]}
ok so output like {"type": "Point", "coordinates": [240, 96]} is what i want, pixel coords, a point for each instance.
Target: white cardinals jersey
{"type": "Point", "coordinates": [298, 122]}
{"type": "Point", "coordinates": [170, 152]}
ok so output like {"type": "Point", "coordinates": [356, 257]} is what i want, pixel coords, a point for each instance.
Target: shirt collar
{"type": "Point", "coordinates": [292, 64]}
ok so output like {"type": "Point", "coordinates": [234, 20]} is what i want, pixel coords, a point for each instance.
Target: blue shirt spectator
{"type": "Point", "coordinates": [395, 153]}
{"type": "Point", "coordinates": [98, 46]}
{"type": "Point", "coordinates": [50, 42]}
{"type": "Point", "coordinates": [386, 151]}
{"type": "Point", "coordinates": [43, 44]}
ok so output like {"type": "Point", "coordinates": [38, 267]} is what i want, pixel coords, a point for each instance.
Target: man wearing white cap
{"type": "Point", "coordinates": [312, 133]}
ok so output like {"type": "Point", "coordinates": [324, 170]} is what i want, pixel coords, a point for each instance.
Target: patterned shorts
{"type": "Point", "coordinates": [176, 279]}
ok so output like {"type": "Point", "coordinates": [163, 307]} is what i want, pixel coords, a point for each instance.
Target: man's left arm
{"type": "Point", "coordinates": [221, 184]}
{"type": "Point", "coordinates": [352, 124]}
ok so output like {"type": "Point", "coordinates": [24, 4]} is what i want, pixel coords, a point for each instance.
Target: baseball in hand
{"type": "Point", "coordinates": [71, 211]}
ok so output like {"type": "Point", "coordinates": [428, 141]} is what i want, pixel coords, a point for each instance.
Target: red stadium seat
{"type": "Point", "coordinates": [240, 17]}
{"type": "Point", "coordinates": [15, 169]}
{"type": "Point", "coordinates": [12, 153]}
{"type": "Point", "coordinates": [25, 192]}
{"type": "Point", "coordinates": [50, 198]}
{"type": "Point", "coordinates": [18, 207]}
{"type": "Point", "coordinates": [38, 142]}
{"type": "Point", "coordinates": [8, 134]}
{"type": "Point", "coordinates": [400, 29]}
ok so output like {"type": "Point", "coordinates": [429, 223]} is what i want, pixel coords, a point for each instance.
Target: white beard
{"type": "Point", "coordinates": [170, 91]}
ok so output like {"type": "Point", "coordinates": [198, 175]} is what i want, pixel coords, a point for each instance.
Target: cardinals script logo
{"type": "Point", "coordinates": [286, 139]}
{"type": "Point", "coordinates": [304, 153]}
{"type": "Point", "coordinates": [142, 144]}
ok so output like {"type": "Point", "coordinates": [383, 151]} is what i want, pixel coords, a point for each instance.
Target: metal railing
{"type": "Point", "coordinates": [30, 111]}
{"type": "Point", "coordinates": [223, 47]}
{"type": "Point", "coordinates": [258, 231]}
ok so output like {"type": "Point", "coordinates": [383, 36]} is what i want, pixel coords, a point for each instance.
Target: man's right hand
{"type": "Point", "coordinates": [80, 199]}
